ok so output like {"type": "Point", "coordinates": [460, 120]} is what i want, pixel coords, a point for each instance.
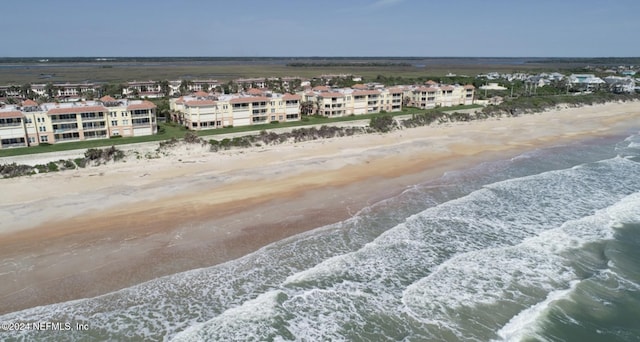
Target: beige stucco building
{"type": "Point", "coordinates": [31, 124]}
{"type": "Point", "coordinates": [434, 95]}
{"type": "Point", "coordinates": [207, 111]}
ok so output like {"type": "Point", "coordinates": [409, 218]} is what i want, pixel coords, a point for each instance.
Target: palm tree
{"type": "Point", "coordinates": [25, 91]}
{"type": "Point", "coordinates": [164, 87]}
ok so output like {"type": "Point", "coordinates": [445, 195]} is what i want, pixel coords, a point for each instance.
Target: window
{"type": "Point", "coordinates": [44, 138]}
{"type": "Point", "coordinates": [32, 139]}
{"type": "Point", "coordinates": [114, 123]}
{"type": "Point", "coordinates": [125, 122]}
{"type": "Point", "coordinates": [42, 129]}
{"type": "Point", "coordinates": [273, 118]}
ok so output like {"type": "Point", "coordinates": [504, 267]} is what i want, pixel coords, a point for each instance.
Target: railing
{"type": "Point", "coordinates": [64, 120]}
{"type": "Point", "coordinates": [93, 119]}
{"type": "Point", "coordinates": [14, 145]}
{"type": "Point", "coordinates": [141, 123]}
{"type": "Point", "coordinates": [68, 139]}
{"type": "Point", "coordinates": [93, 128]}
{"type": "Point", "coordinates": [143, 115]}
{"type": "Point", "coordinates": [62, 130]}
{"type": "Point", "coordinates": [13, 124]}
{"type": "Point", "coordinates": [102, 136]}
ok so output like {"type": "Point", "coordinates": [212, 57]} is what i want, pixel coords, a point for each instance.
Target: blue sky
{"type": "Point", "coordinates": [260, 28]}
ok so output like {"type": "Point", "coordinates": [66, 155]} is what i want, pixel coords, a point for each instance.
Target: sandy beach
{"type": "Point", "coordinates": [86, 232]}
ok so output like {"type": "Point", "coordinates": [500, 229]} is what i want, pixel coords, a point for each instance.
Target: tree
{"type": "Point", "coordinates": [50, 90]}
{"type": "Point", "coordinates": [306, 107]}
{"type": "Point", "coordinates": [185, 86]}
{"type": "Point", "coordinates": [26, 91]}
{"type": "Point", "coordinates": [164, 87]}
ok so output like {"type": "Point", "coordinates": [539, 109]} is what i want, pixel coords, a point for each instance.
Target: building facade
{"type": "Point", "coordinates": [31, 124]}
{"type": "Point", "coordinates": [436, 95]}
{"type": "Point", "coordinates": [204, 111]}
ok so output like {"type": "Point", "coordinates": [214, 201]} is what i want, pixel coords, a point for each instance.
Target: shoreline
{"type": "Point", "coordinates": [104, 228]}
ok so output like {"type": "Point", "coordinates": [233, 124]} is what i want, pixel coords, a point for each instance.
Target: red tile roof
{"type": "Point", "coordinates": [250, 99]}
{"type": "Point", "coordinates": [447, 88]}
{"type": "Point", "coordinates": [359, 86]}
{"type": "Point", "coordinates": [321, 88]}
{"type": "Point", "coordinates": [107, 99]}
{"type": "Point", "coordinates": [366, 92]}
{"type": "Point", "coordinates": [395, 90]}
{"type": "Point", "coordinates": [201, 94]}
{"type": "Point", "coordinates": [11, 114]}
{"type": "Point", "coordinates": [469, 86]}
{"type": "Point", "coordinates": [201, 103]}
{"type": "Point", "coordinates": [430, 82]}
{"type": "Point", "coordinates": [29, 103]}
{"type": "Point", "coordinates": [254, 91]}
{"type": "Point", "coordinates": [288, 97]}
{"type": "Point", "coordinates": [324, 95]}
{"type": "Point", "coordinates": [77, 109]}
{"type": "Point", "coordinates": [144, 105]}
{"type": "Point", "coordinates": [427, 89]}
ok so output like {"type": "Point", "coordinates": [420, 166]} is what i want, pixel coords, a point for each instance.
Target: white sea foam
{"type": "Point", "coordinates": [524, 325]}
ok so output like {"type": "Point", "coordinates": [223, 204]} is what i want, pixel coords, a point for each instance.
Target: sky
{"type": "Point", "coordinates": [274, 28]}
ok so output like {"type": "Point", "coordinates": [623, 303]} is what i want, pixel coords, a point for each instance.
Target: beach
{"type": "Point", "coordinates": [82, 233]}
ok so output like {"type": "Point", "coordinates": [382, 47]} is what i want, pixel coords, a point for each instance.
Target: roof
{"type": "Point", "coordinates": [331, 95]}
{"type": "Point", "coordinates": [201, 94]}
{"type": "Point", "coordinates": [469, 86]}
{"type": "Point", "coordinates": [427, 89]}
{"type": "Point", "coordinates": [108, 99]}
{"type": "Point", "coordinates": [249, 99]}
{"type": "Point", "coordinates": [359, 86]}
{"type": "Point", "coordinates": [144, 105]}
{"type": "Point", "coordinates": [366, 92]}
{"type": "Point", "coordinates": [201, 103]}
{"type": "Point", "coordinates": [77, 109]}
{"type": "Point", "coordinates": [321, 88]}
{"type": "Point", "coordinates": [288, 97]}
{"type": "Point", "coordinates": [430, 82]}
{"type": "Point", "coordinates": [448, 87]}
{"type": "Point", "coordinates": [254, 91]}
{"type": "Point", "coordinates": [11, 114]}
{"type": "Point", "coordinates": [29, 103]}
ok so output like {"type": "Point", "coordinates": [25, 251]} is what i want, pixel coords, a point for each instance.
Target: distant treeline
{"type": "Point", "coordinates": [612, 61]}
{"type": "Point", "coordinates": [347, 64]}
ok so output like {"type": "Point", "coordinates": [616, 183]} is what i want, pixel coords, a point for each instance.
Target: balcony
{"type": "Point", "coordinates": [139, 124]}
{"type": "Point", "coordinates": [14, 145]}
{"type": "Point", "coordinates": [12, 124]}
{"type": "Point", "coordinates": [93, 128]}
{"type": "Point", "coordinates": [64, 130]}
{"type": "Point", "coordinates": [63, 120]}
{"type": "Point", "coordinates": [140, 115]}
{"type": "Point", "coordinates": [97, 118]}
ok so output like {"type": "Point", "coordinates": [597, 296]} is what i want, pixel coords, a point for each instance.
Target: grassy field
{"type": "Point", "coordinates": [170, 130]}
{"type": "Point", "coordinates": [122, 72]}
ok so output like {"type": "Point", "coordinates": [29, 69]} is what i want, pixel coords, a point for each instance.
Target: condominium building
{"type": "Point", "coordinates": [205, 111]}
{"type": "Point", "coordinates": [31, 124]}
{"type": "Point", "coordinates": [434, 95]}
{"type": "Point", "coordinates": [353, 101]}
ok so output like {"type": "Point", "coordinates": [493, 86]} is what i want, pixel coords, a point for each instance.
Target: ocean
{"type": "Point", "coordinates": [544, 246]}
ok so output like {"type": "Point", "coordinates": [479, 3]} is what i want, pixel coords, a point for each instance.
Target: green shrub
{"type": "Point", "coordinates": [384, 123]}
{"type": "Point", "coordinates": [52, 167]}
{"type": "Point", "coordinates": [80, 162]}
